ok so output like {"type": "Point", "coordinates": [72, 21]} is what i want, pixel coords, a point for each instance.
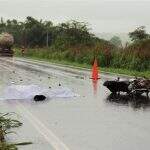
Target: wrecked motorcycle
{"type": "Point", "coordinates": [133, 87]}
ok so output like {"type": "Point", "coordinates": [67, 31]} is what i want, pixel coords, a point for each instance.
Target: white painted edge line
{"type": "Point", "coordinates": [49, 136]}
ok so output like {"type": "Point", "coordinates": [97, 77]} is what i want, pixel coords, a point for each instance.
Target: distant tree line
{"type": "Point", "coordinates": [73, 41]}
{"type": "Point", "coordinates": [39, 33]}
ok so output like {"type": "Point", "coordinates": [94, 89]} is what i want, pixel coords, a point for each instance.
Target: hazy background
{"type": "Point", "coordinates": [104, 16]}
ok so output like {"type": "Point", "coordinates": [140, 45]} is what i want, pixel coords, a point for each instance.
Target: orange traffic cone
{"type": "Point", "coordinates": [95, 71]}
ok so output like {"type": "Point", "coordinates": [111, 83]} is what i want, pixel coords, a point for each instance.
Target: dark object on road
{"type": "Point", "coordinates": [117, 86]}
{"type": "Point", "coordinates": [39, 98]}
{"type": "Point", "coordinates": [140, 86]}
{"type": "Point", "coordinates": [59, 84]}
{"type": "Point", "coordinates": [141, 83]}
{"type": "Point", "coordinates": [135, 87]}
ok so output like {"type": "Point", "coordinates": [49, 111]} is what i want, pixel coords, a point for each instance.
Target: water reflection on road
{"type": "Point", "coordinates": [95, 86]}
{"type": "Point", "coordinates": [94, 121]}
{"type": "Point", "coordinates": [140, 102]}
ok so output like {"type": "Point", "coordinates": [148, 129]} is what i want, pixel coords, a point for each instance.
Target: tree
{"type": "Point", "coordinates": [39, 33]}
{"type": "Point", "coordinates": [138, 34]}
{"type": "Point", "coordinates": [36, 32]}
{"type": "Point", "coordinates": [75, 32]}
{"type": "Point", "coordinates": [116, 41]}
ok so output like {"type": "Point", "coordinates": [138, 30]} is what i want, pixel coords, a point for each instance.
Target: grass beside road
{"type": "Point", "coordinates": [104, 70]}
{"type": "Point", "coordinates": [7, 122]}
{"type": "Point", "coordinates": [86, 66]}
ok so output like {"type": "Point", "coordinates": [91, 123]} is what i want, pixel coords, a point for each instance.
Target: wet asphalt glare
{"type": "Point", "coordinates": [93, 121]}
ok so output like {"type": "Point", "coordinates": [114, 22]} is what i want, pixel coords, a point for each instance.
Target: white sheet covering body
{"type": "Point", "coordinates": [18, 92]}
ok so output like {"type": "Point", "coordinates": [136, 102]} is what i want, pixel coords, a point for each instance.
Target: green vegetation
{"type": "Point", "coordinates": [41, 54]}
{"type": "Point", "coordinates": [73, 42]}
{"type": "Point", "coordinates": [139, 34]}
{"type": "Point", "coordinates": [6, 124]}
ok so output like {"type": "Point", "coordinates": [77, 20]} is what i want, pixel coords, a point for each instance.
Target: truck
{"type": "Point", "coordinates": [6, 43]}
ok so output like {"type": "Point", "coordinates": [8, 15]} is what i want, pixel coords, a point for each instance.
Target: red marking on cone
{"type": "Point", "coordinates": [95, 71]}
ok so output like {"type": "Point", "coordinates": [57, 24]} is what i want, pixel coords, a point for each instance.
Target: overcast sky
{"type": "Point", "coordinates": [103, 15]}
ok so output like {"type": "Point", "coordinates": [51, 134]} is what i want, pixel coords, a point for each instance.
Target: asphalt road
{"type": "Point", "coordinates": [93, 121]}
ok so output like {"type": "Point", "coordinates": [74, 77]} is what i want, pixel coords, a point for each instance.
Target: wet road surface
{"type": "Point", "coordinates": [94, 121]}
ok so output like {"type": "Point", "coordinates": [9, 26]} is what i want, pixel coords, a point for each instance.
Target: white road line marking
{"type": "Point", "coordinates": [6, 68]}
{"type": "Point", "coordinates": [50, 137]}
